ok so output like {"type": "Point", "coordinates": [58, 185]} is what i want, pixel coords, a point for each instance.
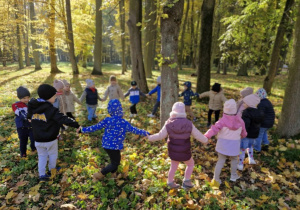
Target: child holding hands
{"type": "Point", "coordinates": [230, 129]}
{"type": "Point", "coordinates": [179, 129]}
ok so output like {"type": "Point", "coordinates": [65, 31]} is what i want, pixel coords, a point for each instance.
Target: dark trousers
{"type": "Point", "coordinates": [157, 104]}
{"type": "Point", "coordinates": [69, 114]}
{"type": "Point", "coordinates": [115, 159]}
{"type": "Point", "coordinates": [217, 114]}
{"type": "Point", "coordinates": [133, 109]}
{"type": "Point", "coordinates": [24, 134]}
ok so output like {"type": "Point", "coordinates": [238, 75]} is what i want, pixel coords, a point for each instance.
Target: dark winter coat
{"type": "Point", "coordinates": [253, 118]}
{"type": "Point", "coordinates": [267, 108]}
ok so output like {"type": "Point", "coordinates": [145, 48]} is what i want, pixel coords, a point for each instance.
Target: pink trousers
{"type": "Point", "coordinates": [188, 170]}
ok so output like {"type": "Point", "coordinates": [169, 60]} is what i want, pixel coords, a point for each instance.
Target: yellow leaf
{"type": "Point", "coordinates": [282, 148]}
{"type": "Point", "coordinates": [215, 184]}
{"type": "Point", "coordinates": [133, 156]}
{"type": "Point", "coordinates": [253, 175]}
{"type": "Point", "coordinates": [265, 170]}
{"type": "Point", "coordinates": [275, 187]}
{"type": "Point", "coordinates": [173, 192]}
{"type": "Point", "coordinates": [227, 185]}
{"type": "Point", "coordinates": [264, 197]}
{"type": "Point", "coordinates": [120, 182]}
{"type": "Point", "coordinates": [34, 190]}
{"type": "Point", "coordinates": [68, 193]}
{"type": "Point", "coordinates": [125, 168]}
{"type": "Point", "coordinates": [82, 196]}
{"type": "Point", "coordinates": [123, 195]}
{"type": "Point", "coordinates": [149, 198]}
{"type": "Point", "coordinates": [20, 198]}
{"type": "Point", "coordinates": [10, 195]}
{"type": "Point", "coordinates": [53, 173]}
{"type": "Point", "coordinates": [49, 204]}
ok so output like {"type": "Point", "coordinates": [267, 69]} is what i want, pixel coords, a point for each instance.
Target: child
{"type": "Point", "coordinates": [230, 129]}
{"type": "Point", "coordinates": [24, 128]}
{"type": "Point", "coordinates": [157, 104]}
{"type": "Point", "coordinates": [70, 99]}
{"type": "Point", "coordinates": [60, 102]}
{"type": "Point", "coordinates": [134, 97]}
{"type": "Point", "coordinates": [243, 93]}
{"type": "Point", "coordinates": [46, 121]}
{"type": "Point", "coordinates": [113, 91]}
{"type": "Point", "coordinates": [91, 96]}
{"type": "Point", "coordinates": [266, 106]}
{"type": "Point", "coordinates": [253, 118]}
{"type": "Point", "coordinates": [179, 129]}
{"type": "Point", "coordinates": [216, 99]}
{"type": "Point", "coordinates": [188, 94]}
{"type": "Point", "coordinates": [115, 130]}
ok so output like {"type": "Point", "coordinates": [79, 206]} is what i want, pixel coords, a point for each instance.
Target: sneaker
{"type": "Point", "coordinates": [187, 184]}
{"type": "Point", "coordinates": [150, 115]}
{"type": "Point", "coordinates": [131, 115]}
{"type": "Point", "coordinates": [234, 178]}
{"type": "Point", "coordinates": [173, 185]}
{"type": "Point", "coordinates": [240, 167]}
{"type": "Point", "coordinates": [45, 177]}
{"type": "Point", "coordinates": [252, 161]}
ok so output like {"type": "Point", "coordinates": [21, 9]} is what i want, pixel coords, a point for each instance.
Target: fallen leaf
{"type": "Point", "coordinates": [173, 192]}
{"type": "Point", "coordinates": [68, 207]}
{"type": "Point", "coordinates": [123, 195]}
{"type": "Point", "coordinates": [10, 195]}
{"type": "Point", "coordinates": [214, 184]}
{"type": "Point", "coordinates": [49, 204]}
{"type": "Point", "coordinates": [20, 198]}
{"type": "Point", "coordinates": [120, 182]}
{"type": "Point", "coordinates": [82, 196]}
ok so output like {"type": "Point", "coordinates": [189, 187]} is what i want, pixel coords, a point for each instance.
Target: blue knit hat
{"type": "Point", "coordinates": [262, 93]}
{"type": "Point", "coordinates": [114, 108]}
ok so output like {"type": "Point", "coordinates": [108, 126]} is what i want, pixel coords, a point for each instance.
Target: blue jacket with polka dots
{"type": "Point", "coordinates": [115, 127]}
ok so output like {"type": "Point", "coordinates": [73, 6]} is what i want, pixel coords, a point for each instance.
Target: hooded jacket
{"type": "Point", "coordinates": [134, 95]}
{"type": "Point", "coordinates": [115, 127]}
{"type": "Point", "coordinates": [179, 131]}
{"type": "Point", "coordinates": [267, 108]}
{"type": "Point", "coordinates": [46, 120]}
{"type": "Point", "coordinates": [188, 94]}
{"type": "Point", "coordinates": [253, 118]}
{"type": "Point", "coordinates": [156, 89]}
{"type": "Point", "coordinates": [113, 92]}
{"type": "Point", "coordinates": [229, 130]}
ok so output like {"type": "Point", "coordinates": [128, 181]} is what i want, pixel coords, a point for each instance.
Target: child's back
{"type": "Point", "coordinates": [253, 118]}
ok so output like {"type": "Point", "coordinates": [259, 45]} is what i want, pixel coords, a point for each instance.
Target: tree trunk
{"type": "Point", "coordinates": [26, 31]}
{"type": "Point", "coordinates": [71, 39]}
{"type": "Point", "coordinates": [138, 71]}
{"type": "Point", "coordinates": [289, 121]}
{"type": "Point", "coordinates": [191, 60]}
{"type": "Point", "coordinates": [150, 36]}
{"type": "Point", "coordinates": [203, 73]}
{"type": "Point", "coordinates": [243, 69]}
{"type": "Point", "coordinates": [36, 53]}
{"type": "Point", "coordinates": [268, 82]}
{"type": "Point", "coordinates": [224, 67]}
{"type": "Point", "coordinates": [52, 49]}
{"type": "Point", "coordinates": [170, 28]}
{"type": "Point", "coordinates": [19, 37]}
{"type": "Point", "coordinates": [122, 25]}
{"type": "Point", "coordinates": [195, 60]}
{"type": "Point", "coordinates": [97, 70]}
{"type": "Point", "coordinates": [180, 57]}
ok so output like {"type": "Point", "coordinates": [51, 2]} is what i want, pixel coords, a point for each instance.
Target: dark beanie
{"type": "Point", "coordinates": [46, 91]}
{"type": "Point", "coordinates": [133, 83]}
{"type": "Point", "coordinates": [22, 92]}
{"type": "Point", "coordinates": [216, 87]}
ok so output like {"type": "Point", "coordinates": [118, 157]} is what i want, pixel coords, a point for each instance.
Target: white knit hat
{"type": "Point", "coordinates": [178, 110]}
{"type": "Point", "coordinates": [230, 107]}
{"type": "Point", "coordinates": [252, 100]}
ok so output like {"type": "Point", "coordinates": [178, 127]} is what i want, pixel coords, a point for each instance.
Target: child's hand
{"type": "Point", "coordinates": [148, 95]}
{"type": "Point", "coordinates": [29, 120]}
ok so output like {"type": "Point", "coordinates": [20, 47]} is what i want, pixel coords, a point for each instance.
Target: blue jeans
{"type": "Point", "coordinates": [91, 112]}
{"type": "Point", "coordinates": [247, 143]}
{"type": "Point", "coordinates": [261, 139]}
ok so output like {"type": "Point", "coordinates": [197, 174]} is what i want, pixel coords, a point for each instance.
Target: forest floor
{"type": "Point", "coordinates": [140, 182]}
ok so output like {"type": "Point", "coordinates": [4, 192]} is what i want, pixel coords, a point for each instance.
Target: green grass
{"type": "Point", "coordinates": [144, 184]}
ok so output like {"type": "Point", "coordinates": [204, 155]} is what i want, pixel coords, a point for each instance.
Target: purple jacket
{"type": "Point", "coordinates": [179, 144]}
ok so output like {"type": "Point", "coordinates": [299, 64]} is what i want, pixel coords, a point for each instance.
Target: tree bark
{"type": "Point", "coordinates": [191, 58]}
{"type": "Point", "coordinates": [195, 60]}
{"type": "Point", "coordinates": [36, 53]}
{"type": "Point", "coordinates": [52, 48]}
{"type": "Point", "coordinates": [122, 25]}
{"type": "Point", "coordinates": [203, 73]}
{"type": "Point", "coordinates": [19, 37]}
{"type": "Point", "coordinates": [289, 121]}
{"type": "Point", "coordinates": [268, 82]}
{"type": "Point", "coordinates": [180, 57]}
{"type": "Point", "coordinates": [138, 71]}
{"type": "Point", "coordinates": [170, 28]}
{"type": "Point", "coordinates": [26, 29]}
{"type": "Point", "coordinates": [71, 39]}
{"type": "Point", "coordinates": [243, 69]}
{"type": "Point", "coordinates": [150, 35]}
{"type": "Point", "coordinates": [97, 70]}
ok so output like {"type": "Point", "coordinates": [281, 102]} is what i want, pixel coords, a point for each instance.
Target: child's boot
{"type": "Point", "coordinates": [250, 156]}
{"type": "Point", "coordinates": [173, 185]}
{"type": "Point", "coordinates": [187, 184]}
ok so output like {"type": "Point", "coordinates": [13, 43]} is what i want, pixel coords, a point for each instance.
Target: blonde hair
{"type": "Point", "coordinates": [112, 78]}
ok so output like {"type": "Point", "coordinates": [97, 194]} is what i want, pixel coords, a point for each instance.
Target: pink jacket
{"type": "Point", "coordinates": [229, 130]}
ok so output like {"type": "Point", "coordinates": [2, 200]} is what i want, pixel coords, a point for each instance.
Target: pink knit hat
{"type": "Point", "coordinates": [251, 100]}
{"type": "Point", "coordinates": [58, 84]}
{"type": "Point", "coordinates": [178, 110]}
{"type": "Point", "coordinates": [246, 91]}
{"type": "Point", "coordinates": [230, 107]}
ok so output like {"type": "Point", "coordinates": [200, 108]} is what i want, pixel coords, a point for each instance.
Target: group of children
{"type": "Point", "coordinates": [243, 126]}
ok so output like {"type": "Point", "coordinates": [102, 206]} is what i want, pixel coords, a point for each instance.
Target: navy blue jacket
{"type": "Point", "coordinates": [134, 95]}
{"type": "Point", "coordinates": [266, 106]}
{"type": "Point", "coordinates": [188, 95]}
{"type": "Point", "coordinates": [91, 97]}
{"type": "Point", "coordinates": [253, 118]}
{"type": "Point", "coordinates": [20, 110]}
